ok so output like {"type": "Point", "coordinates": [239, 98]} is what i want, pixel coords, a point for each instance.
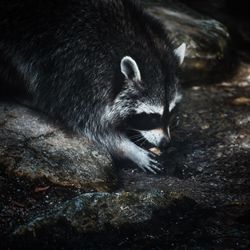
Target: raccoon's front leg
{"type": "Point", "coordinates": [141, 157]}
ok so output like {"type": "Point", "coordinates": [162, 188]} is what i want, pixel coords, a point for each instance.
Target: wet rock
{"type": "Point", "coordinates": [208, 54]}
{"type": "Point", "coordinates": [232, 14]}
{"type": "Point", "coordinates": [32, 146]}
{"type": "Point", "coordinates": [97, 212]}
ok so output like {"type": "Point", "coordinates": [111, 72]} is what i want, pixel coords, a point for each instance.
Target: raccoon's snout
{"type": "Point", "coordinates": [156, 137]}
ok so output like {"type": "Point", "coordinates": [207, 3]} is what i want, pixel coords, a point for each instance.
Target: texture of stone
{"type": "Point", "coordinates": [96, 212]}
{"type": "Point", "coordinates": [31, 146]}
{"type": "Point", "coordinates": [208, 54]}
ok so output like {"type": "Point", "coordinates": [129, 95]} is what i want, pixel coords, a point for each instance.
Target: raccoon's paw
{"type": "Point", "coordinates": [149, 162]}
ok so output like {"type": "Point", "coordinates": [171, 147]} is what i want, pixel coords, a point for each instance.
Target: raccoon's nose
{"type": "Point", "coordinates": [163, 143]}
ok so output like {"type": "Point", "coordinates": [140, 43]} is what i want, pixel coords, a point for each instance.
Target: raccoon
{"type": "Point", "coordinates": [101, 67]}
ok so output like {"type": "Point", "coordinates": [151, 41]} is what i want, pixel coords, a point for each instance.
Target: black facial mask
{"type": "Point", "coordinates": [144, 121]}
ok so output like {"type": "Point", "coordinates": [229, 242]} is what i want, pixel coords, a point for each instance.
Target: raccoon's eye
{"type": "Point", "coordinates": [144, 121]}
{"type": "Point", "coordinates": [172, 119]}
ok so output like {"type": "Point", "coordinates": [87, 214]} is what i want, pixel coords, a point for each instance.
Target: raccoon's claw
{"type": "Point", "coordinates": [144, 159]}
{"type": "Point", "coordinates": [151, 164]}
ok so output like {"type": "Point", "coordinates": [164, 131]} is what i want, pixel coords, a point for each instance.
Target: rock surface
{"type": "Point", "coordinates": [95, 212]}
{"type": "Point", "coordinates": [232, 14]}
{"type": "Point", "coordinates": [208, 54]}
{"type": "Point", "coordinates": [33, 147]}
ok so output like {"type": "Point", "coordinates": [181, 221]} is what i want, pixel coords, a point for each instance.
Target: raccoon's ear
{"type": "Point", "coordinates": [180, 53]}
{"type": "Point", "coordinates": [130, 69]}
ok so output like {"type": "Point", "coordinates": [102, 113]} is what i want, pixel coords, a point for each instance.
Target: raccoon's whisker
{"type": "Point", "coordinates": [143, 142]}
{"type": "Point", "coordinates": [133, 129]}
{"type": "Point", "coordinates": [135, 137]}
{"type": "Point", "coordinates": [140, 139]}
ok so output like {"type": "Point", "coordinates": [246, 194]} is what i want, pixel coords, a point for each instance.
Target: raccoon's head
{"type": "Point", "coordinates": [154, 105]}
{"type": "Point", "coordinates": [148, 107]}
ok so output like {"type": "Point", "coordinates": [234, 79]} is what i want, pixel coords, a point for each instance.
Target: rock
{"type": "Point", "coordinates": [97, 212]}
{"type": "Point", "coordinates": [242, 100]}
{"type": "Point", "coordinates": [232, 14]}
{"type": "Point", "coordinates": [31, 146]}
{"type": "Point", "coordinates": [208, 41]}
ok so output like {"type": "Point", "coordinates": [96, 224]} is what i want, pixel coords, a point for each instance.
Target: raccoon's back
{"type": "Point", "coordinates": [55, 47]}
{"type": "Point", "coordinates": [47, 25]}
